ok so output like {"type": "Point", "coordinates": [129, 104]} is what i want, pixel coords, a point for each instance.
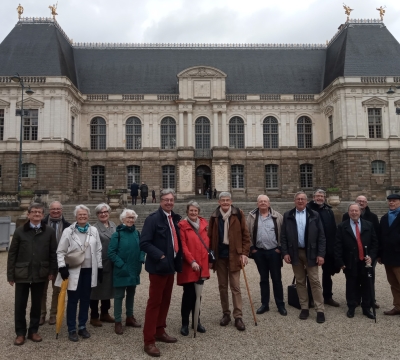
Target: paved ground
{"type": "Point", "coordinates": [275, 337]}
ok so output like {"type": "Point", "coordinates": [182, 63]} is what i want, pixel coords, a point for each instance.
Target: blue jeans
{"type": "Point", "coordinates": [81, 294]}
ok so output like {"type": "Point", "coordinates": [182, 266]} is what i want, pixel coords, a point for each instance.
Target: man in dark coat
{"type": "Point", "coordinates": [144, 192]}
{"type": "Point", "coordinates": [56, 220]}
{"type": "Point", "coordinates": [134, 192]}
{"type": "Point", "coordinates": [389, 249]}
{"type": "Point", "coordinates": [303, 245]}
{"type": "Point", "coordinates": [160, 240]}
{"type": "Point", "coordinates": [32, 261]}
{"type": "Point", "coordinates": [328, 221]}
{"type": "Point", "coordinates": [352, 236]}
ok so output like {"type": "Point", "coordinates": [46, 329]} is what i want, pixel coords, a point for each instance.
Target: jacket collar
{"type": "Point", "coordinates": [309, 212]}
{"type": "Point", "coordinates": [217, 213]}
{"type": "Point", "coordinates": [175, 216]}
{"type": "Point", "coordinates": [314, 206]}
{"type": "Point", "coordinates": [254, 212]}
{"type": "Point", "coordinates": [27, 226]}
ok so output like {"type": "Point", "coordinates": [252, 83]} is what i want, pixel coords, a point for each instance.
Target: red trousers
{"type": "Point", "coordinates": [160, 291]}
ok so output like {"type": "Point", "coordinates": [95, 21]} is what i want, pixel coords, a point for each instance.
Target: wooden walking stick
{"type": "Point", "coordinates": [248, 292]}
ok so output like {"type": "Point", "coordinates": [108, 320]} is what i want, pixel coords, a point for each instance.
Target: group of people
{"type": "Point", "coordinates": [104, 261]}
{"type": "Point", "coordinates": [144, 193]}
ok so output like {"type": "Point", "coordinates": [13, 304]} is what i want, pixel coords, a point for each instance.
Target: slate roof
{"type": "Point", "coordinates": [41, 49]}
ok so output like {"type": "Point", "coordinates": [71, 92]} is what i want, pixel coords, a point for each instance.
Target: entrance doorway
{"type": "Point", "coordinates": [203, 179]}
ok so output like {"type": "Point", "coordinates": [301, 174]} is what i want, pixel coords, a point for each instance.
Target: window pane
{"type": "Point", "coordinates": [378, 167]}
{"type": "Point", "coordinates": [306, 176]}
{"type": "Point", "coordinates": [271, 176]}
{"type": "Point", "coordinates": [168, 133]}
{"type": "Point", "coordinates": [133, 175]}
{"type": "Point", "coordinates": [270, 130]}
{"type": "Point", "coordinates": [98, 134]}
{"type": "Point", "coordinates": [168, 176]}
{"type": "Point", "coordinates": [237, 176]}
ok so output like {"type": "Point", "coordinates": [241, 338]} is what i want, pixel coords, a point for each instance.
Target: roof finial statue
{"type": "Point", "coordinates": [381, 12]}
{"type": "Point", "coordinates": [53, 10]}
{"type": "Point", "coordinates": [20, 10]}
{"type": "Point", "coordinates": [347, 11]}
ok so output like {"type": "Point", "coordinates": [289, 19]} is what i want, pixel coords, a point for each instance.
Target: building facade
{"type": "Point", "coordinates": [250, 119]}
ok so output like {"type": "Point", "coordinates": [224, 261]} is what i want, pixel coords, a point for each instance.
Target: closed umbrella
{"type": "Point", "coordinates": [198, 287]}
{"type": "Point", "coordinates": [370, 283]}
{"type": "Point", "coordinates": [61, 306]}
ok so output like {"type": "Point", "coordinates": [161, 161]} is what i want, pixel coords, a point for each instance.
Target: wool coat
{"type": "Point", "coordinates": [134, 189]}
{"type": "Point", "coordinates": [193, 249]}
{"type": "Point", "coordinates": [389, 241]}
{"type": "Point", "coordinates": [144, 190]}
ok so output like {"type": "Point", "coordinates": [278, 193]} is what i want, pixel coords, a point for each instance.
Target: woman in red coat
{"type": "Point", "coordinates": [193, 231]}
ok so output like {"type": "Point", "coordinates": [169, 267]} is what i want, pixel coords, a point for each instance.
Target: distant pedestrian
{"type": "Point", "coordinates": [144, 192]}
{"type": "Point", "coordinates": [209, 193]}
{"type": "Point", "coordinates": [134, 192]}
{"type": "Point", "coordinates": [153, 196]}
{"type": "Point", "coordinates": [215, 193]}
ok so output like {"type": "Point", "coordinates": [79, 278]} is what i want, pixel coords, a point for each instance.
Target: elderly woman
{"type": "Point", "coordinates": [104, 291]}
{"type": "Point", "coordinates": [195, 245]}
{"type": "Point", "coordinates": [79, 260]}
{"type": "Point", "coordinates": [125, 253]}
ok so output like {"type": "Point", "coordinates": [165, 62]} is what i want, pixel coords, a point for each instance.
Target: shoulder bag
{"type": "Point", "coordinates": [77, 257]}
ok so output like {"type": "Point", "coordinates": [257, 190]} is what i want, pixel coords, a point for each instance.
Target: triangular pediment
{"type": "Point", "coordinates": [375, 102]}
{"type": "Point", "coordinates": [328, 110]}
{"type": "Point", "coordinates": [31, 102]}
{"type": "Point", "coordinates": [4, 103]}
{"type": "Point", "coordinates": [202, 72]}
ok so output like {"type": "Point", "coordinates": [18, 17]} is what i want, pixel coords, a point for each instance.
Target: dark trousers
{"type": "Point", "coordinates": [160, 291]}
{"type": "Point", "coordinates": [144, 200]}
{"type": "Point", "coordinates": [21, 301]}
{"type": "Point", "coordinates": [153, 200]}
{"type": "Point", "coordinates": [269, 261]}
{"type": "Point", "coordinates": [327, 270]}
{"type": "Point", "coordinates": [357, 278]}
{"type": "Point", "coordinates": [94, 307]}
{"type": "Point", "coordinates": [134, 200]}
{"type": "Point", "coordinates": [81, 294]}
{"type": "Point", "coordinates": [188, 303]}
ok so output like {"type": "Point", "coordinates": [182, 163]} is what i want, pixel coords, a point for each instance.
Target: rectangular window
{"type": "Point", "coordinates": [72, 129]}
{"type": "Point", "coordinates": [168, 176]}
{"type": "Point", "coordinates": [375, 123]}
{"type": "Point", "coordinates": [306, 176]}
{"type": "Point", "coordinates": [98, 175]}
{"type": "Point", "coordinates": [237, 176]}
{"type": "Point", "coordinates": [133, 175]}
{"type": "Point", "coordinates": [271, 176]}
{"type": "Point", "coordinates": [1, 124]}
{"type": "Point", "coordinates": [330, 128]}
{"type": "Point", "coordinates": [30, 127]}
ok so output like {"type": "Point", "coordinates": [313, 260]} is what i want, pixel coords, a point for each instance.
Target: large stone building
{"type": "Point", "coordinates": [248, 118]}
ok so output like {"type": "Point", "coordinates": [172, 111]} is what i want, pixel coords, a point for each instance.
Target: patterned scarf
{"type": "Point", "coordinates": [57, 225]}
{"type": "Point", "coordinates": [83, 229]}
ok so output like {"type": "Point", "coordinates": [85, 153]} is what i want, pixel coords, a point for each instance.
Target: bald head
{"type": "Point", "coordinates": [362, 201]}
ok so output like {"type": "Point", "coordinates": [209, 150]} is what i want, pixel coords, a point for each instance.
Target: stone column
{"type": "Point", "coordinates": [224, 129]}
{"type": "Point", "coordinates": [180, 130]}
{"type": "Point", "coordinates": [189, 129]}
{"type": "Point", "coordinates": [215, 129]}
{"type": "Point", "coordinates": [147, 134]}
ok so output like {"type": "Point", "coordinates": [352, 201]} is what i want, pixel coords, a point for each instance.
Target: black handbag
{"type": "Point", "coordinates": [293, 297]}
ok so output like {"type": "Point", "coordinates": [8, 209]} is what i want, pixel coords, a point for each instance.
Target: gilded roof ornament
{"type": "Point", "coordinates": [20, 10]}
{"type": "Point", "coordinates": [347, 11]}
{"type": "Point", "coordinates": [381, 12]}
{"type": "Point", "coordinates": [53, 10]}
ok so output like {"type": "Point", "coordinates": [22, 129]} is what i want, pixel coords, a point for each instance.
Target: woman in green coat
{"type": "Point", "coordinates": [125, 253]}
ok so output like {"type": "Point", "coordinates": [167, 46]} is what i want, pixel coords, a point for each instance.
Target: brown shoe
{"type": "Point", "coordinates": [107, 318]}
{"type": "Point", "coordinates": [52, 320]}
{"type": "Point", "coordinates": [226, 319]}
{"type": "Point", "coordinates": [394, 311]}
{"type": "Point", "coordinates": [131, 321]}
{"type": "Point", "coordinates": [118, 328]}
{"type": "Point", "coordinates": [96, 322]}
{"type": "Point", "coordinates": [239, 324]}
{"type": "Point", "coordinates": [152, 350]}
{"type": "Point", "coordinates": [19, 340]}
{"type": "Point", "coordinates": [166, 338]}
{"type": "Point", "coordinates": [35, 337]}
{"type": "Point", "coordinates": [42, 320]}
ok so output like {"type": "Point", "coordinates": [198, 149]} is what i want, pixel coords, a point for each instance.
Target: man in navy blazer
{"type": "Point", "coordinates": [352, 236]}
{"type": "Point", "coordinates": [160, 241]}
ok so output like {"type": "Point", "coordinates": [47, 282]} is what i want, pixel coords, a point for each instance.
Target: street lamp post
{"type": "Point", "coordinates": [28, 91]}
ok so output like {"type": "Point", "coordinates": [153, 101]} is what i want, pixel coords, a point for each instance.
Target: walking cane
{"type": "Point", "coordinates": [371, 288]}
{"type": "Point", "coordinates": [248, 292]}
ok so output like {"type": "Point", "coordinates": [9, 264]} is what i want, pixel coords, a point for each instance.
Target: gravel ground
{"type": "Point", "coordinates": [275, 337]}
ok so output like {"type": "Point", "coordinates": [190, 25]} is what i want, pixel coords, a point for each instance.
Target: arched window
{"type": "Point", "coordinates": [133, 133]}
{"type": "Point", "coordinates": [133, 174]}
{"type": "Point", "coordinates": [237, 176]}
{"type": "Point", "coordinates": [28, 171]}
{"type": "Point", "coordinates": [270, 130]}
{"type": "Point", "coordinates": [304, 133]}
{"type": "Point", "coordinates": [168, 177]}
{"type": "Point", "coordinates": [271, 176]}
{"type": "Point", "coordinates": [378, 167]}
{"type": "Point", "coordinates": [98, 177]}
{"type": "Point", "coordinates": [375, 123]}
{"type": "Point", "coordinates": [202, 133]}
{"type": "Point", "coordinates": [306, 176]}
{"type": "Point", "coordinates": [236, 133]}
{"type": "Point", "coordinates": [168, 133]}
{"type": "Point", "coordinates": [98, 134]}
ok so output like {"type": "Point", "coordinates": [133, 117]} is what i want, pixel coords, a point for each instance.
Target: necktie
{"type": "Point", "coordinates": [176, 247]}
{"type": "Point", "coordinates": [359, 243]}
{"type": "Point", "coordinates": [54, 225]}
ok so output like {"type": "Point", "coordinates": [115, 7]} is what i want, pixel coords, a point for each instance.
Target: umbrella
{"type": "Point", "coordinates": [61, 306]}
{"type": "Point", "coordinates": [198, 287]}
{"type": "Point", "coordinates": [370, 281]}
{"type": "Point", "coordinates": [248, 293]}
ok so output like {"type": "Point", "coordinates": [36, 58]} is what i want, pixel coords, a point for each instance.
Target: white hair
{"type": "Point", "coordinates": [55, 202]}
{"type": "Point", "coordinates": [225, 194]}
{"type": "Point", "coordinates": [258, 197]}
{"type": "Point", "coordinates": [126, 212]}
{"type": "Point", "coordinates": [81, 207]}
{"type": "Point", "coordinates": [100, 207]}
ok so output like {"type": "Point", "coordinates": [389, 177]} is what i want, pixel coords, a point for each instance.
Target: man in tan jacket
{"type": "Point", "coordinates": [230, 241]}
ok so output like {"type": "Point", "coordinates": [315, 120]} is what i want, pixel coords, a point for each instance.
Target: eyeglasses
{"type": "Point", "coordinates": [57, 209]}
{"type": "Point", "coordinates": [130, 218]}
{"type": "Point", "coordinates": [168, 200]}
{"type": "Point", "coordinates": [36, 212]}
{"type": "Point", "coordinates": [102, 213]}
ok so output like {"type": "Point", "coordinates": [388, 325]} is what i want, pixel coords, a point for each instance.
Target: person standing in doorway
{"type": "Point", "coordinates": [144, 192]}
{"type": "Point", "coordinates": [134, 192]}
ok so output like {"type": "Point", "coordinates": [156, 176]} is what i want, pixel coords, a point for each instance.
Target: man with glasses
{"type": "Point", "coordinates": [160, 240]}
{"type": "Point", "coordinates": [56, 220]}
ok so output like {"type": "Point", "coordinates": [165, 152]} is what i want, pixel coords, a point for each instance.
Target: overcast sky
{"type": "Point", "coordinates": [201, 21]}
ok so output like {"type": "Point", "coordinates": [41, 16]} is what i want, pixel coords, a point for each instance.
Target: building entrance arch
{"type": "Point", "coordinates": [203, 179]}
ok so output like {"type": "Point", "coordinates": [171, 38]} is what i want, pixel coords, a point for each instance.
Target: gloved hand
{"type": "Point", "coordinates": [63, 272]}
{"type": "Point", "coordinates": [100, 275]}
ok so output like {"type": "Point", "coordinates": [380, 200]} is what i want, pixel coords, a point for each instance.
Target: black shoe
{"type": "Point", "coordinates": [73, 336]}
{"type": "Point", "coordinates": [185, 330]}
{"type": "Point", "coordinates": [320, 317]}
{"type": "Point", "coordinates": [350, 313]}
{"type": "Point", "coordinates": [368, 313]}
{"type": "Point", "coordinates": [201, 328]}
{"type": "Point", "coordinates": [304, 314]}
{"type": "Point", "coordinates": [84, 333]}
{"type": "Point", "coordinates": [282, 310]}
{"type": "Point", "coordinates": [262, 309]}
{"type": "Point", "coordinates": [331, 302]}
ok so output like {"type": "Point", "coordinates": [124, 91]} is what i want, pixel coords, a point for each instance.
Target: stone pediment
{"type": "Point", "coordinates": [4, 103]}
{"type": "Point", "coordinates": [31, 102]}
{"type": "Point", "coordinates": [375, 102]}
{"type": "Point", "coordinates": [328, 110]}
{"type": "Point", "coordinates": [202, 72]}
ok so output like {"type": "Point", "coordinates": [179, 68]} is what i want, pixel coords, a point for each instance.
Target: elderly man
{"type": "Point", "coordinates": [56, 220]}
{"type": "Point", "coordinates": [352, 236]}
{"type": "Point", "coordinates": [32, 262]}
{"type": "Point", "coordinates": [264, 226]}
{"type": "Point", "coordinates": [230, 241]}
{"type": "Point", "coordinates": [303, 245]}
{"type": "Point", "coordinates": [328, 221]}
{"type": "Point", "coordinates": [389, 249]}
{"type": "Point", "coordinates": [160, 240]}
